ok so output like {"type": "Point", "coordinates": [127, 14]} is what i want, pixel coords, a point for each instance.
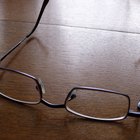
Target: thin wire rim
{"type": "Point", "coordinates": [96, 89]}
{"type": "Point", "coordinates": [37, 81]}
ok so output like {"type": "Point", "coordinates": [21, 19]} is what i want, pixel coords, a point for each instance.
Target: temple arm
{"type": "Point", "coordinates": [133, 113]}
{"type": "Point", "coordinates": [29, 34]}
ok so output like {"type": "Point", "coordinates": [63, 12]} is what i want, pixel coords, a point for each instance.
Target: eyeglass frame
{"type": "Point", "coordinates": [41, 91]}
{"type": "Point", "coordinates": [45, 3]}
{"type": "Point", "coordinates": [40, 88]}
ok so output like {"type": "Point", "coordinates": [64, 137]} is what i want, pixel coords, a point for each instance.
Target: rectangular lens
{"type": "Point", "coordinates": [18, 87]}
{"type": "Point", "coordinates": [98, 104]}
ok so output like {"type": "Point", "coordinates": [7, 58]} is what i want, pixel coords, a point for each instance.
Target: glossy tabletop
{"type": "Point", "coordinates": [92, 43]}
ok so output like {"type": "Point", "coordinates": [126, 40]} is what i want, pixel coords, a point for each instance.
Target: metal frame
{"type": "Point", "coordinates": [40, 85]}
{"type": "Point", "coordinates": [129, 113]}
{"type": "Point", "coordinates": [69, 97]}
{"type": "Point", "coordinates": [41, 90]}
{"type": "Point", "coordinates": [96, 89]}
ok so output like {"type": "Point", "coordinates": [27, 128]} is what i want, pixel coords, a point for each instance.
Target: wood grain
{"type": "Point", "coordinates": [64, 56]}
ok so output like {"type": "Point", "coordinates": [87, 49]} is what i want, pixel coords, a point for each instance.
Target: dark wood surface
{"type": "Point", "coordinates": [89, 43]}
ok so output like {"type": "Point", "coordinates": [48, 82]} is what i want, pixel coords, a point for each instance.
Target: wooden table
{"type": "Point", "coordinates": [90, 43]}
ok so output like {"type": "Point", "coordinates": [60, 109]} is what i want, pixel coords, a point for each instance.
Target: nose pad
{"type": "Point", "coordinates": [41, 86]}
{"type": "Point", "coordinates": [72, 97]}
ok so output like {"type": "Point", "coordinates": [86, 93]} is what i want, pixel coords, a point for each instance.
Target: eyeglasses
{"type": "Point", "coordinates": [87, 102]}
